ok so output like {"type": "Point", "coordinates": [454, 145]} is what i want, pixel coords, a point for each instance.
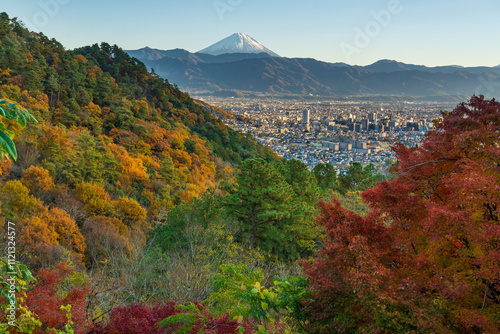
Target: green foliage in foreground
{"type": "Point", "coordinates": [11, 111]}
{"type": "Point", "coordinates": [240, 293]}
{"type": "Point", "coordinates": [14, 274]}
{"type": "Point", "coordinates": [14, 280]}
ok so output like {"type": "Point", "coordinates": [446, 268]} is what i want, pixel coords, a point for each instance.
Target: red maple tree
{"type": "Point", "coordinates": [427, 258]}
{"type": "Point", "coordinates": [48, 295]}
{"type": "Point", "coordinates": [142, 318]}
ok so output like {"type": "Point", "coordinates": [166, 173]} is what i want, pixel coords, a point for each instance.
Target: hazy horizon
{"type": "Point", "coordinates": [412, 32]}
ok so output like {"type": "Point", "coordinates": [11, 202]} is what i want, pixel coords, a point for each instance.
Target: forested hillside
{"type": "Point", "coordinates": [118, 185]}
{"type": "Point", "coordinates": [108, 127]}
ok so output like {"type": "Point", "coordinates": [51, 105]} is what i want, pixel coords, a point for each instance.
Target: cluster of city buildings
{"type": "Point", "coordinates": [333, 132]}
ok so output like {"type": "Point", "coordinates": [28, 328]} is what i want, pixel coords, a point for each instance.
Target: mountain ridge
{"type": "Point", "coordinates": [260, 72]}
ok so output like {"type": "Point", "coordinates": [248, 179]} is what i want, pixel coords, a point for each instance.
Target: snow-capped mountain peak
{"type": "Point", "coordinates": [237, 43]}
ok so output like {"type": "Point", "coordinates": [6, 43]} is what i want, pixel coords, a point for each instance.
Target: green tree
{"type": "Point", "coordinates": [325, 175]}
{"type": "Point", "coordinates": [35, 74]}
{"type": "Point", "coordinates": [303, 213]}
{"type": "Point", "coordinates": [302, 181]}
{"type": "Point", "coordinates": [201, 212]}
{"type": "Point", "coordinates": [358, 178]}
{"type": "Point", "coordinates": [91, 161]}
{"type": "Point", "coordinates": [261, 202]}
{"type": "Point", "coordinates": [266, 207]}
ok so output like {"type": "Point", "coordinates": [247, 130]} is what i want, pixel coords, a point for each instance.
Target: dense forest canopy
{"type": "Point", "coordinates": [104, 119]}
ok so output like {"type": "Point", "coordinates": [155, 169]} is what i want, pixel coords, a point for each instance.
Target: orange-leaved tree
{"type": "Point", "coordinates": [45, 237]}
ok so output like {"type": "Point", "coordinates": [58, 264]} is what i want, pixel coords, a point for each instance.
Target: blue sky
{"type": "Point", "coordinates": [439, 32]}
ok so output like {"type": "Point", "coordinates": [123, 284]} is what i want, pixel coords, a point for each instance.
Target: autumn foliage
{"type": "Point", "coordinates": [112, 141]}
{"type": "Point", "coordinates": [140, 318]}
{"type": "Point", "coordinates": [118, 153]}
{"type": "Point", "coordinates": [427, 259]}
{"type": "Point", "coordinates": [54, 289]}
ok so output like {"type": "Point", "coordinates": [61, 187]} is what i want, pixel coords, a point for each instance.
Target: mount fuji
{"type": "Point", "coordinates": [237, 43]}
{"type": "Point", "coordinates": [240, 63]}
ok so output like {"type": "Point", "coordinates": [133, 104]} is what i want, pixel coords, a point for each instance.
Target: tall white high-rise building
{"type": "Point", "coordinates": [305, 116]}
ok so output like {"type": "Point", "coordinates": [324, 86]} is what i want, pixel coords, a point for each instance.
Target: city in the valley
{"type": "Point", "coordinates": [332, 132]}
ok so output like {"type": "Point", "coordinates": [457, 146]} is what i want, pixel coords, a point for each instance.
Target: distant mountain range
{"type": "Point", "coordinates": [240, 63]}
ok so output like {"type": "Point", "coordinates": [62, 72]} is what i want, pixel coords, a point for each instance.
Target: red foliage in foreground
{"type": "Point", "coordinates": [350, 271]}
{"type": "Point", "coordinates": [46, 299]}
{"type": "Point", "coordinates": [141, 318]}
{"type": "Point", "coordinates": [427, 259]}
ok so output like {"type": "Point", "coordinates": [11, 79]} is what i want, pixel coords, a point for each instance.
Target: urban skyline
{"type": "Point", "coordinates": [329, 131]}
